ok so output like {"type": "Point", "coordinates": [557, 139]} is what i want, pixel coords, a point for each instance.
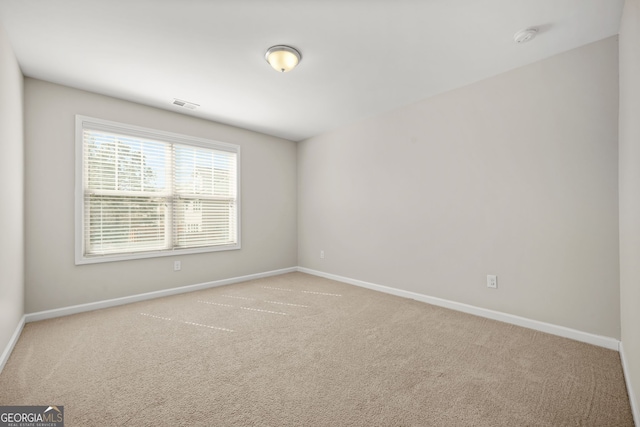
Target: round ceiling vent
{"type": "Point", "coordinates": [525, 35]}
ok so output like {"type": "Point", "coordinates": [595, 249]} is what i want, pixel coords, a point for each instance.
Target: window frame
{"type": "Point", "coordinates": [153, 134]}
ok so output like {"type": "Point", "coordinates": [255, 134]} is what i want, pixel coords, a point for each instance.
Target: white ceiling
{"type": "Point", "coordinates": [360, 57]}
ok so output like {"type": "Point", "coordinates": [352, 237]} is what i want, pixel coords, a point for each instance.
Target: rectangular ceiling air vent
{"type": "Point", "coordinates": [185, 104]}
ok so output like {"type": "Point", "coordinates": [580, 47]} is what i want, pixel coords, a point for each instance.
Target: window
{"type": "Point", "coordinates": [144, 193]}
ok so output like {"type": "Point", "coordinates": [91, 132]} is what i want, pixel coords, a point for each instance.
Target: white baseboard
{"type": "Point", "coordinates": [11, 344]}
{"type": "Point", "coordinates": [74, 309]}
{"type": "Point", "coordinates": [610, 343]}
{"type": "Point", "coordinates": [632, 396]}
{"type": "Point", "coordinates": [607, 342]}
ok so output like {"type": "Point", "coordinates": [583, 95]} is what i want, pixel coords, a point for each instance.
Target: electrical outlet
{"type": "Point", "coordinates": [492, 281]}
{"type": "Point", "coordinates": [177, 266]}
{"type": "Point", "coordinates": [321, 254]}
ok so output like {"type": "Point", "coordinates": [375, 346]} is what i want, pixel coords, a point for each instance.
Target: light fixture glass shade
{"type": "Point", "coordinates": [282, 58]}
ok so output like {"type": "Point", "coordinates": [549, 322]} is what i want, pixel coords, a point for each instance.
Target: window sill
{"type": "Point", "coordinates": [96, 259]}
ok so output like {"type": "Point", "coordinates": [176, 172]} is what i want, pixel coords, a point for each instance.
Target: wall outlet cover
{"type": "Point", "coordinates": [492, 281]}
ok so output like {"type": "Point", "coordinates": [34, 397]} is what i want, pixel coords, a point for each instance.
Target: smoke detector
{"type": "Point", "coordinates": [525, 35]}
{"type": "Point", "coordinates": [185, 104]}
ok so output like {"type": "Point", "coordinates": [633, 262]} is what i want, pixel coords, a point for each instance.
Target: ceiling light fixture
{"type": "Point", "coordinates": [525, 35]}
{"type": "Point", "coordinates": [282, 58]}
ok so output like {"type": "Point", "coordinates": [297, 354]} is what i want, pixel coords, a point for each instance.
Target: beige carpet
{"type": "Point", "coordinates": [298, 350]}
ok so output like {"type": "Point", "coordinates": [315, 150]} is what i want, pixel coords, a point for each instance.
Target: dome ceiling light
{"type": "Point", "coordinates": [283, 58]}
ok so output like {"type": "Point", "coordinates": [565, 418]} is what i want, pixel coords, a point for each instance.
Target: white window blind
{"type": "Point", "coordinates": [150, 193]}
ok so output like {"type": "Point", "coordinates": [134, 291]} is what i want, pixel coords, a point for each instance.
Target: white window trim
{"type": "Point", "coordinates": [159, 135]}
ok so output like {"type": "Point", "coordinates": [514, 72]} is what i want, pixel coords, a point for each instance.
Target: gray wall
{"type": "Point", "coordinates": [52, 280]}
{"type": "Point", "coordinates": [515, 175]}
{"type": "Point", "coordinates": [11, 193]}
{"type": "Point", "coordinates": [630, 191]}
